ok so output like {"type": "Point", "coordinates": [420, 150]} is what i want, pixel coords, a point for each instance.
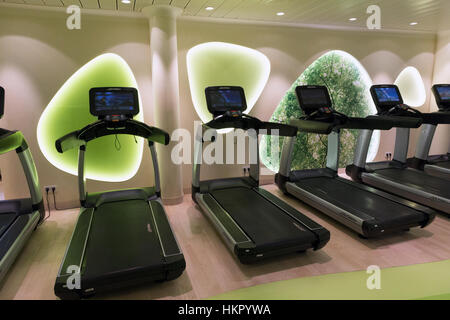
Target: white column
{"type": "Point", "coordinates": [164, 52]}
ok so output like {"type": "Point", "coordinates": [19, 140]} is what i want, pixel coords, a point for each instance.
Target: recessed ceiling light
{"type": "Point", "coordinates": [413, 23]}
{"type": "Point", "coordinates": [209, 8]}
{"type": "Point", "coordinates": [353, 19]}
{"type": "Point", "coordinates": [126, 1]}
{"type": "Point", "coordinates": [280, 14]}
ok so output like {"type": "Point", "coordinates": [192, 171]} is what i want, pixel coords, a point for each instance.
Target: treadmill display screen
{"type": "Point", "coordinates": [386, 97]}
{"type": "Point", "coordinates": [114, 101]}
{"type": "Point", "coordinates": [442, 95]}
{"type": "Point", "coordinates": [312, 98]}
{"type": "Point", "coordinates": [223, 99]}
{"type": "Point", "coordinates": [2, 101]}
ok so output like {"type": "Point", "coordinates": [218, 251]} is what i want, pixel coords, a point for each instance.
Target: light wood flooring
{"type": "Point", "coordinates": [212, 270]}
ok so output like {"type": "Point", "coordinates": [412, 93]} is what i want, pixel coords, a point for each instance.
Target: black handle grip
{"type": "Point", "coordinates": [103, 128]}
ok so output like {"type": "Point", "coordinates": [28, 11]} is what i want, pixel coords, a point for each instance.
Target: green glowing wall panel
{"type": "Point", "coordinates": [225, 64]}
{"type": "Point", "coordinates": [69, 111]}
{"type": "Point", "coordinates": [349, 85]}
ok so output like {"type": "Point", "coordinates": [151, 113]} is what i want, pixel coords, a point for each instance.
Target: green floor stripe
{"type": "Point", "coordinates": [440, 297]}
{"type": "Point", "coordinates": [421, 281]}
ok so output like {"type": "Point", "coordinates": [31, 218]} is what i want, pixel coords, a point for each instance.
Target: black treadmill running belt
{"type": "Point", "coordinates": [262, 221]}
{"type": "Point", "coordinates": [122, 239]}
{"type": "Point", "coordinates": [6, 219]}
{"type": "Point", "coordinates": [444, 164]}
{"type": "Point", "coordinates": [418, 180]}
{"type": "Point", "coordinates": [363, 204]}
{"type": "Point", "coordinates": [12, 233]}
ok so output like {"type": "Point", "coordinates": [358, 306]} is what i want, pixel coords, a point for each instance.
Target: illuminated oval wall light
{"type": "Point", "coordinates": [69, 111]}
{"type": "Point", "coordinates": [219, 64]}
{"type": "Point", "coordinates": [411, 85]}
{"type": "Point", "coordinates": [349, 85]}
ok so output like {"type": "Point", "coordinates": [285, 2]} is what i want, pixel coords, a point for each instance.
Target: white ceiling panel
{"type": "Point", "coordinates": [246, 9]}
{"type": "Point", "coordinates": [226, 7]}
{"type": "Point", "coordinates": [125, 6]}
{"type": "Point", "coordinates": [35, 2]}
{"type": "Point", "coordinates": [430, 15]}
{"type": "Point", "coordinates": [166, 2]}
{"type": "Point", "coordinates": [194, 6]}
{"type": "Point", "coordinates": [15, 1]}
{"type": "Point", "coordinates": [139, 4]}
{"type": "Point", "coordinates": [108, 4]}
{"type": "Point", "coordinates": [67, 3]}
{"type": "Point", "coordinates": [210, 3]}
{"type": "Point", "coordinates": [90, 4]}
{"type": "Point", "coordinates": [53, 3]}
{"type": "Point", "coordinates": [179, 3]}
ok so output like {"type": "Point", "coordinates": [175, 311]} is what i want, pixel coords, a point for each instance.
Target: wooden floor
{"type": "Point", "coordinates": [212, 270]}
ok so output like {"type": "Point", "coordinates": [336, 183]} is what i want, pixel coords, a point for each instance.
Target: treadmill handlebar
{"type": "Point", "coordinates": [312, 126]}
{"type": "Point", "coordinates": [402, 121]}
{"type": "Point", "coordinates": [12, 140]}
{"type": "Point", "coordinates": [68, 142]}
{"type": "Point", "coordinates": [368, 123]}
{"type": "Point", "coordinates": [406, 112]}
{"type": "Point", "coordinates": [246, 122]}
{"type": "Point", "coordinates": [440, 117]}
{"type": "Point", "coordinates": [104, 128]}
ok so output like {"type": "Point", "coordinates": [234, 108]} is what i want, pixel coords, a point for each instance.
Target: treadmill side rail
{"type": "Point", "coordinates": [173, 256]}
{"type": "Point", "coordinates": [16, 246]}
{"type": "Point", "coordinates": [331, 210]}
{"type": "Point", "coordinates": [168, 241]}
{"type": "Point", "coordinates": [437, 171]}
{"type": "Point", "coordinates": [74, 255]}
{"type": "Point", "coordinates": [222, 221]}
{"type": "Point", "coordinates": [429, 199]}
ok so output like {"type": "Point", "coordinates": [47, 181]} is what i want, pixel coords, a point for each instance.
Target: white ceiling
{"type": "Point", "coordinates": [431, 15]}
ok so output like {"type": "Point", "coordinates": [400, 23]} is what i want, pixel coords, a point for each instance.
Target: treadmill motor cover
{"type": "Point", "coordinates": [312, 98]}
{"type": "Point", "coordinates": [442, 95]}
{"type": "Point", "coordinates": [114, 101]}
{"type": "Point", "coordinates": [386, 97]}
{"type": "Point", "coordinates": [2, 101]}
{"type": "Point", "coordinates": [223, 99]}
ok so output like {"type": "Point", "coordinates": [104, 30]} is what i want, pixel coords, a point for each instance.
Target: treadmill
{"type": "Point", "coordinates": [395, 176]}
{"type": "Point", "coordinates": [435, 165]}
{"type": "Point", "coordinates": [370, 212]}
{"type": "Point", "coordinates": [18, 217]}
{"type": "Point", "coordinates": [122, 238]}
{"type": "Point", "coordinates": [253, 223]}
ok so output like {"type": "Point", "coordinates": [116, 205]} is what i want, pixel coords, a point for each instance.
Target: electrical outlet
{"type": "Point", "coordinates": [50, 187]}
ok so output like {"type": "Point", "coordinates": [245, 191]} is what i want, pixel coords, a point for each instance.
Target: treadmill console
{"type": "Point", "coordinates": [315, 102]}
{"type": "Point", "coordinates": [225, 100]}
{"type": "Point", "coordinates": [386, 97]}
{"type": "Point", "coordinates": [2, 101]}
{"type": "Point", "coordinates": [114, 103]}
{"type": "Point", "coordinates": [389, 101]}
{"type": "Point", "coordinates": [442, 94]}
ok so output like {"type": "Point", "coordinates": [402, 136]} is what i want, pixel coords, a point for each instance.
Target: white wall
{"type": "Point", "coordinates": [291, 50]}
{"type": "Point", "coordinates": [38, 54]}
